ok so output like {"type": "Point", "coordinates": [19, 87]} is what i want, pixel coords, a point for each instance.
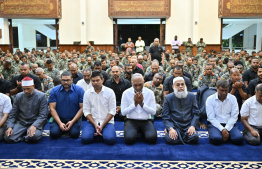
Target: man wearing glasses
{"type": "Point", "coordinates": [222, 113]}
{"type": "Point", "coordinates": [66, 107]}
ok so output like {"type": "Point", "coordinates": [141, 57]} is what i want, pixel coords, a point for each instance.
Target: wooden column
{"type": "Point", "coordinates": [115, 36]}
{"type": "Point", "coordinates": [56, 32]}
{"type": "Point", "coordinates": [221, 34]}
{"type": "Point", "coordinates": [162, 32]}
{"type": "Point", "coordinates": [11, 43]}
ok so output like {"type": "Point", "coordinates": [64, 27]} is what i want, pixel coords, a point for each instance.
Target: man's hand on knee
{"type": "Point", "coordinates": [191, 130]}
{"type": "Point", "coordinates": [9, 132]}
{"type": "Point", "coordinates": [31, 131]}
{"type": "Point", "coordinates": [172, 134]}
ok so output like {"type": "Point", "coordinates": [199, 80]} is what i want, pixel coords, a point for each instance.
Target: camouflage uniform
{"type": "Point", "coordinates": [145, 65]}
{"type": "Point", "coordinates": [223, 68]}
{"type": "Point", "coordinates": [190, 69]}
{"type": "Point", "coordinates": [16, 65]}
{"type": "Point", "coordinates": [8, 74]}
{"type": "Point", "coordinates": [148, 69]}
{"type": "Point", "coordinates": [200, 46]}
{"type": "Point", "coordinates": [209, 81]}
{"type": "Point", "coordinates": [62, 64]}
{"type": "Point", "coordinates": [197, 72]}
{"type": "Point", "coordinates": [82, 65]}
{"type": "Point", "coordinates": [53, 73]}
{"type": "Point", "coordinates": [47, 83]}
{"type": "Point", "coordinates": [248, 65]}
{"type": "Point", "coordinates": [47, 94]}
{"type": "Point", "coordinates": [158, 92]}
{"type": "Point", "coordinates": [166, 64]}
{"type": "Point", "coordinates": [172, 56]}
{"type": "Point", "coordinates": [188, 47]}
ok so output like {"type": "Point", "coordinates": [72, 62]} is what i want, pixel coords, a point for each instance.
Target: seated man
{"type": "Point", "coordinates": [154, 69]}
{"type": "Point", "coordinates": [85, 83]}
{"type": "Point", "coordinates": [180, 120]}
{"type": "Point", "coordinates": [157, 87]}
{"type": "Point", "coordinates": [208, 78]}
{"type": "Point", "coordinates": [99, 109]}
{"type": "Point", "coordinates": [28, 115]}
{"type": "Point", "coordinates": [222, 113]}
{"type": "Point", "coordinates": [251, 117]}
{"type": "Point", "coordinates": [46, 81]}
{"type": "Point", "coordinates": [5, 109]}
{"type": "Point", "coordinates": [66, 107]}
{"type": "Point", "coordinates": [138, 105]}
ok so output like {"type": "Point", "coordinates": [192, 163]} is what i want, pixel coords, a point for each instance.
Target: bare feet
{"type": "Point", "coordinates": [202, 125]}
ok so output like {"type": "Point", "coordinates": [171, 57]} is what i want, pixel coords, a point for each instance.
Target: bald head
{"type": "Point", "coordinates": [73, 69]}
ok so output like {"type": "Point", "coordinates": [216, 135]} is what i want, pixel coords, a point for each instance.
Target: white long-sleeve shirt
{"type": "Point", "coordinates": [138, 45]}
{"type": "Point", "coordinates": [174, 44]}
{"type": "Point", "coordinates": [222, 112]}
{"type": "Point", "coordinates": [84, 85]}
{"type": "Point", "coordinates": [99, 105]}
{"type": "Point", "coordinates": [131, 111]}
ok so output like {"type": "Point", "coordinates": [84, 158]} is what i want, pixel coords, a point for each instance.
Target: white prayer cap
{"type": "Point", "coordinates": [177, 78]}
{"type": "Point", "coordinates": [27, 81]}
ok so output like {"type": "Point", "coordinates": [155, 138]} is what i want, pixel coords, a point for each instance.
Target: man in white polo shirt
{"type": "Point", "coordinates": [85, 83]}
{"type": "Point", "coordinates": [251, 117]}
{"type": "Point", "coordinates": [5, 109]}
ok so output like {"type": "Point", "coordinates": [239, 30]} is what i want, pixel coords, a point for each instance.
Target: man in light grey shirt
{"type": "Point", "coordinates": [28, 115]}
{"type": "Point", "coordinates": [85, 83]}
{"type": "Point", "coordinates": [5, 109]}
{"type": "Point", "coordinates": [251, 117]}
{"type": "Point", "coordinates": [222, 113]}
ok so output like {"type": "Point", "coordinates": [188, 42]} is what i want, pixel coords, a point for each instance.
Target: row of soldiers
{"type": "Point", "coordinates": [204, 68]}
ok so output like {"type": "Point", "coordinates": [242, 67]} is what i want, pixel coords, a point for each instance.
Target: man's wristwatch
{"type": "Point", "coordinates": [170, 128]}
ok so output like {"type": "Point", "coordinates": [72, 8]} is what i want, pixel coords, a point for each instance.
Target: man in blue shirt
{"type": "Point", "coordinates": [66, 107]}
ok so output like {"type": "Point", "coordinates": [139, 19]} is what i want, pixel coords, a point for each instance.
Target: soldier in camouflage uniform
{"type": "Point", "coordinates": [157, 87]}
{"type": "Point", "coordinates": [50, 70]}
{"type": "Point", "coordinates": [200, 46]}
{"type": "Point", "coordinates": [197, 72]}
{"type": "Point", "coordinates": [16, 63]}
{"type": "Point", "coordinates": [226, 75]}
{"type": "Point", "coordinates": [208, 78]}
{"type": "Point", "coordinates": [149, 69]}
{"type": "Point", "coordinates": [46, 81]}
{"type": "Point", "coordinates": [62, 64]}
{"type": "Point", "coordinates": [56, 81]}
{"type": "Point", "coordinates": [189, 67]}
{"type": "Point", "coordinates": [189, 45]}
{"type": "Point", "coordinates": [166, 61]}
{"type": "Point", "coordinates": [8, 71]}
{"type": "Point", "coordinates": [216, 69]}
{"type": "Point", "coordinates": [82, 63]}
{"type": "Point", "coordinates": [33, 68]}
{"type": "Point", "coordinates": [172, 54]}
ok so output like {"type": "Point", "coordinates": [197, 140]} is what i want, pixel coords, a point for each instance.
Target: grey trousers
{"type": "Point", "coordinates": [20, 134]}
{"type": "Point", "coordinates": [193, 139]}
{"type": "Point", "coordinates": [250, 139]}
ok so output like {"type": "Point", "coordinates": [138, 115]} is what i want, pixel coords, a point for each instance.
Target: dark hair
{"type": "Point", "coordinates": [66, 73]}
{"type": "Point", "coordinates": [70, 61]}
{"type": "Point", "coordinates": [254, 59]}
{"type": "Point", "coordinates": [222, 83]}
{"type": "Point", "coordinates": [103, 57]}
{"type": "Point", "coordinates": [86, 70]}
{"type": "Point", "coordinates": [23, 64]}
{"type": "Point", "coordinates": [24, 56]}
{"type": "Point", "coordinates": [128, 64]}
{"type": "Point", "coordinates": [97, 63]}
{"type": "Point", "coordinates": [178, 68]}
{"type": "Point", "coordinates": [208, 64]}
{"type": "Point", "coordinates": [8, 62]}
{"type": "Point", "coordinates": [57, 81]}
{"type": "Point", "coordinates": [49, 61]}
{"type": "Point", "coordinates": [225, 61]}
{"type": "Point", "coordinates": [96, 73]}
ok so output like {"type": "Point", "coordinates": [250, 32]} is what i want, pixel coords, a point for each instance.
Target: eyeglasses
{"type": "Point", "coordinates": [65, 80]}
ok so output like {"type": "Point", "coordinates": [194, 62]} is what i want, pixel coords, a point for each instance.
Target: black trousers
{"type": "Point", "coordinates": [146, 127]}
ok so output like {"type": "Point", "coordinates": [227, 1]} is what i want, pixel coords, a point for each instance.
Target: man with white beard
{"type": "Point", "coordinates": [180, 115]}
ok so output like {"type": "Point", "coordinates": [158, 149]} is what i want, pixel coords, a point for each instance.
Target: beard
{"type": "Point", "coordinates": [181, 95]}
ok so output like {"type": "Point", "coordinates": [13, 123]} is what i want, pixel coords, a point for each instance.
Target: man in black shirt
{"type": "Point", "coordinates": [98, 66]}
{"type": "Point", "coordinates": [251, 73]}
{"type": "Point", "coordinates": [168, 84]}
{"type": "Point", "coordinates": [180, 63]}
{"type": "Point", "coordinates": [135, 68]}
{"type": "Point", "coordinates": [75, 74]}
{"type": "Point", "coordinates": [237, 88]}
{"type": "Point", "coordinates": [4, 86]}
{"type": "Point", "coordinates": [16, 82]}
{"type": "Point", "coordinates": [156, 52]}
{"type": "Point", "coordinates": [253, 83]}
{"type": "Point", "coordinates": [118, 85]}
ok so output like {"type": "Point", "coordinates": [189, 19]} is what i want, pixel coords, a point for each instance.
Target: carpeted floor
{"type": "Point", "coordinates": [69, 149]}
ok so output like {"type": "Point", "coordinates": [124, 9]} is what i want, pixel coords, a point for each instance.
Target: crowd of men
{"type": "Point", "coordinates": [134, 85]}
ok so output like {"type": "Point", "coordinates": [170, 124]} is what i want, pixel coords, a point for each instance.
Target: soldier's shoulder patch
{"type": "Point", "coordinates": [147, 85]}
{"type": "Point", "coordinates": [218, 78]}
{"type": "Point", "coordinates": [204, 74]}
{"type": "Point", "coordinates": [161, 86]}
{"type": "Point", "coordinates": [58, 73]}
{"type": "Point", "coordinates": [200, 78]}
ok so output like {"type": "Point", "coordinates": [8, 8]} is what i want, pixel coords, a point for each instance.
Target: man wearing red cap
{"type": "Point", "coordinates": [28, 115]}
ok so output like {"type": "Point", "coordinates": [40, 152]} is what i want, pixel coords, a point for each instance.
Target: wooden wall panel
{"type": "Point", "coordinates": [83, 47]}
{"type": "Point", "coordinates": [216, 47]}
{"type": "Point", "coordinates": [5, 47]}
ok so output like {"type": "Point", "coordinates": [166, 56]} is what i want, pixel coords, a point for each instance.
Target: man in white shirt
{"type": "Point", "coordinates": [5, 109]}
{"type": "Point", "coordinates": [140, 44]}
{"type": "Point", "coordinates": [138, 105]}
{"type": "Point", "coordinates": [85, 82]}
{"type": "Point", "coordinates": [175, 44]}
{"type": "Point", "coordinates": [99, 107]}
{"type": "Point", "coordinates": [251, 117]}
{"type": "Point", "coordinates": [222, 113]}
